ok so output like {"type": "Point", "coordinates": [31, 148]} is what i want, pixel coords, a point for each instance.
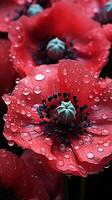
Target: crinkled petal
{"type": "Point", "coordinates": [39, 167]}
{"type": "Point", "coordinates": [22, 121]}
{"type": "Point", "coordinates": [94, 149]}
{"type": "Point", "coordinates": [8, 74]}
{"type": "Point", "coordinates": [14, 174]}
{"type": "Point", "coordinates": [8, 11]}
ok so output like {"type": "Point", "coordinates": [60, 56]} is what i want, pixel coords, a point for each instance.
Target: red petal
{"type": "Point", "coordinates": [26, 33]}
{"type": "Point", "coordinates": [22, 119]}
{"type": "Point", "coordinates": [38, 165]}
{"type": "Point", "coordinates": [94, 149]}
{"type": "Point", "coordinates": [13, 173]}
{"type": "Point", "coordinates": [8, 10]}
{"type": "Point", "coordinates": [7, 72]}
{"type": "Point", "coordinates": [108, 31]}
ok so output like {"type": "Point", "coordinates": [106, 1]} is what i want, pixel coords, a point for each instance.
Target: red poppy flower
{"type": "Point", "coordinates": [11, 10]}
{"type": "Point", "coordinates": [65, 114]}
{"type": "Point", "coordinates": [7, 72]}
{"type": "Point", "coordinates": [16, 181]}
{"type": "Point", "coordinates": [40, 40]}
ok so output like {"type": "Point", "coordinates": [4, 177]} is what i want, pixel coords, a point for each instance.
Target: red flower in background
{"type": "Point", "coordinates": [16, 180]}
{"type": "Point", "coordinates": [20, 178]}
{"type": "Point", "coordinates": [50, 180]}
{"type": "Point", "coordinates": [63, 112]}
{"type": "Point", "coordinates": [11, 10]}
{"type": "Point", "coordinates": [8, 74]}
{"type": "Point", "coordinates": [34, 39]}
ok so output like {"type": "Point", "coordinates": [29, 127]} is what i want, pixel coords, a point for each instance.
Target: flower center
{"type": "Point", "coordinates": [66, 112]}
{"type": "Point", "coordinates": [34, 9]}
{"type": "Point", "coordinates": [105, 14]}
{"type": "Point", "coordinates": [7, 194]}
{"type": "Point", "coordinates": [55, 49]}
{"type": "Point", "coordinates": [52, 49]}
{"type": "Point", "coordinates": [62, 118]}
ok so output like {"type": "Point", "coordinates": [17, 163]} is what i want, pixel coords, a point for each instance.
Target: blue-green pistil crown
{"type": "Point", "coordinates": [34, 9]}
{"type": "Point", "coordinates": [108, 6]}
{"type": "Point", "coordinates": [55, 49]}
{"type": "Point", "coordinates": [66, 113]}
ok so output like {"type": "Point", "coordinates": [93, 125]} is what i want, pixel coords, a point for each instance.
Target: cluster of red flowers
{"type": "Point", "coordinates": [56, 64]}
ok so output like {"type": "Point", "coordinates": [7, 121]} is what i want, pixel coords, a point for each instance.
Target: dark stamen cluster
{"type": "Point", "coordinates": [62, 133]}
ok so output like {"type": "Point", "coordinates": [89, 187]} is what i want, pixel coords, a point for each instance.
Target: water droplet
{"type": "Point", "coordinates": [86, 79]}
{"type": "Point", "coordinates": [28, 114]}
{"type": "Point", "coordinates": [47, 70]}
{"type": "Point", "coordinates": [95, 107]}
{"type": "Point", "coordinates": [11, 143]}
{"type": "Point", "coordinates": [105, 132]}
{"type": "Point", "coordinates": [64, 72]}
{"type": "Point", "coordinates": [17, 80]}
{"type": "Point", "coordinates": [39, 77]}
{"type": "Point", "coordinates": [5, 117]}
{"type": "Point", "coordinates": [7, 100]}
{"type": "Point", "coordinates": [23, 112]}
{"type": "Point", "coordinates": [100, 149]}
{"type": "Point", "coordinates": [60, 163]}
{"type": "Point", "coordinates": [26, 91]}
{"type": "Point", "coordinates": [107, 166]}
{"type": "Point", "coordinates": [104, 116]}
{"type": "Point", "coordinates": [67, 156]}
{"type": "Point", "coordinates": [90, 155]}
{"type": "Point", "coordinates": [97, 99]}
{"type": "Point", "coordinates": [37, 90]}
{"type": "Point", "coordinates": [76, 147]}
{"type": "Point", "coordinates": [13, 127]}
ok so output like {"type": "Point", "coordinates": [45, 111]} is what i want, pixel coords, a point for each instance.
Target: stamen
{"type": "Point", "coordinates": [66, 113]}
{"type": "Point", "coordinates": [55, 49]}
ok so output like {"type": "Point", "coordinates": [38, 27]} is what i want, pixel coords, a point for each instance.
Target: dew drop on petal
{"type": "Point", "coordinates": [28, 114]}
{"type": "Point", "coordinates": [96, 99]}
{"type": "Point", "coordinates": [107, 166]}
{"type": "Point", "coordinates": [90, 155]}
{"type": "Point", "coordinates": [76, 147]}
{"type": "Point", "coordinates": [26, 91]}
{"type": "Point", "coordinates": [7, 100]}
{"type": "Point", "coordinates": [5, 117]}
{"type": "Point", "coordinates": [11, 143]}
{"type": "Point", "coordinates": [47, 70]}
{"type": "Point", "coordinates": [104, 116]}
{"type": "Point", "coordinates": [100, 149]}
{"type": "Point", "coordinates": [86, 79]}
{"type": "Point", "coordinates": [13, 127]}
{"type": "Point", "coordinates": [37, 90]}
{"type": "Point", "coordinates": [39, 77]}
{"type": "Point", "coordinates": [60, 163]}
{"type": "Point", "coordinates": [105, 132]}
{"type": "Point", "coordinates": [95, 107]}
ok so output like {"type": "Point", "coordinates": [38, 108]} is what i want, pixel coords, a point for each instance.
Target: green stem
{"type": "Point", "coordinates": [82, 189]}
